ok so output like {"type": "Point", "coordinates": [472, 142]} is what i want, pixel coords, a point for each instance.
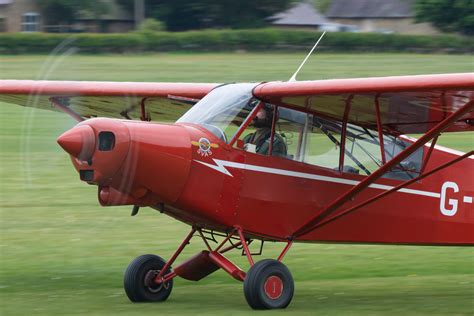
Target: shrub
{"type": "Point", "coordinates": [230, 40]}
{"type": "Point", "coordinates": [151, 25]}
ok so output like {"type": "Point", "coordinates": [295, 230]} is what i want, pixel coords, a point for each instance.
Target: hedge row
{"type": "Point", "coordinates": [230, 40]}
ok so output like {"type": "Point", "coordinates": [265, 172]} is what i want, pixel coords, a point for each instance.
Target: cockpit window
{"type": "Point", "coordinates": [362, 154]}
{"type": "Point", "coordinates": [223, 110]}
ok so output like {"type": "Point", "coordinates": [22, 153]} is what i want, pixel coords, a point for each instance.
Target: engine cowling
{"type": "Point", "coordinates": [132, 162]}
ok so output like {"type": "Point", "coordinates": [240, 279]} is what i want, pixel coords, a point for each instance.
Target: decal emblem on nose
{"type": "Point", "coordinates": [204, 146]}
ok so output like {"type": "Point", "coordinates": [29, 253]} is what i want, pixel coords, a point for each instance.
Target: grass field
{"type": "Point", "coordinates": [61, 253]}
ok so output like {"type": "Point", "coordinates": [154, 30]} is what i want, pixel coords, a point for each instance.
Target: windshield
{"type": "Point", "coordinates": [223, 110]}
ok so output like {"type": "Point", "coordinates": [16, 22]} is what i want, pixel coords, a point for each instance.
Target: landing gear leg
{"type": "Point", "coordinates": [267, 285]}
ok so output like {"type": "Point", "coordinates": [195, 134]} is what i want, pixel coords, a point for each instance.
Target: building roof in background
{"type": "Point", "coordinates": [302, 13]}
{"type": "Point", "coordinates": [370, 9]}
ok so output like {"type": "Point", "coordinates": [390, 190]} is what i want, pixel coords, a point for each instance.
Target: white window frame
{"type": "Point", "coordinates": [30, 26]}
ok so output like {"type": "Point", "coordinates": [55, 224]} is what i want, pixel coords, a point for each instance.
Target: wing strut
{"type": "Point", "coordinates": [336, 204]}
{"type": "Point", "coordinates": [428, 154]}
{"type": "Point", "coordinates": [383, 194]}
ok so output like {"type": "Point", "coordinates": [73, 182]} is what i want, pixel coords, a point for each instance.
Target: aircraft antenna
{"type": "Point", "coordinates": [293, 78]}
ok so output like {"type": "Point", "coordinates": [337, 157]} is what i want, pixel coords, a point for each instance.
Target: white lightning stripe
{"type": "Point", "coordinates": [222, 164]}
{"type": "Point", "coordinates": [282, 172]}
{"type": "Point", "coordinates": [219, 167]}
{"type": "Point", "coordinates": [467, 199]}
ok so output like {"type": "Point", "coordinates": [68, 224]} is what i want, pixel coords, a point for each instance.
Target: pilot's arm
{"type": "Point", "coordinates": [279, 147]}
{"type": "Point", "coordinates": [248, 138]}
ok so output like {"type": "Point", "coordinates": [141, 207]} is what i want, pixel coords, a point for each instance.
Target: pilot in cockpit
{"type": "Point", "coordinates": [261, 138]}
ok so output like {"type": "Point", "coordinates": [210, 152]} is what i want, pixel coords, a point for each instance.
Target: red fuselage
{"type": "Point", "coordinates": [193, 176]}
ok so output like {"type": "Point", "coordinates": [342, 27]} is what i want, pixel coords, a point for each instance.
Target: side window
{"type": "Point", "coordinates": [314, 140]}
{"type": "Point", "coordinates": [257, 132]}
{"type": "Point", "coordinates": [257, 136]}
{"type": "Point", "coordinates": [410, 167]}
{"type": "Point", "coordinates": [362, 150]}
{"type": "Point", "coordinates": [287, 135]}
{"type": "Point", "coordinates": [322, 143]}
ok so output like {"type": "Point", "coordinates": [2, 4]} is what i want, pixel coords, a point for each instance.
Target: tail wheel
{"type": "Point", "coordinates": [268, 285]}
{"type": "Point", "coordinates": [139, 281]}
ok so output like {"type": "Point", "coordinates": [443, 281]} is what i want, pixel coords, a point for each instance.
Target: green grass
{"type": "Point", "coordinates": [222, 67]}
{"type": "Point", "coordinates": [61, 253]}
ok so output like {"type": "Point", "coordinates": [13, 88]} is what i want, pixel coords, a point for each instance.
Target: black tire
{"type": "Point", "coordinates": [264, 274]}
{"type": "Point", "coordinates": [137, 280]}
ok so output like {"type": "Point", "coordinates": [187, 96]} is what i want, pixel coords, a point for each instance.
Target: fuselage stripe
{"type": "Point", "coordinates": [222, 164]}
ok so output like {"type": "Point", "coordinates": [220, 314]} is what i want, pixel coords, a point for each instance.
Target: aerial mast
{"type": "Point", "coordinates": [293, 78]}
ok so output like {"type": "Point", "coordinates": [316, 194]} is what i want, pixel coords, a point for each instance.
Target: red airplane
{"type": "Point", "coordinates": [311, 161]}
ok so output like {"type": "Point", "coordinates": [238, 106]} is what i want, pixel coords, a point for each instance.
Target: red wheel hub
{"type": "Point", "coordinates": [273, 287]}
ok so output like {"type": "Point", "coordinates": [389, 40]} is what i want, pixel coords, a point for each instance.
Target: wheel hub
{"type": "Point", "coordinates": [150, 283]}
{"type": "Point", "coordinates": [273, 287]}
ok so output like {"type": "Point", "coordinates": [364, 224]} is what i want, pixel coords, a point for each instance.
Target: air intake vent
{"type": "Point", "coordinates": [106, 141]}
{"type": "Point", "coordinates": [86, 175]}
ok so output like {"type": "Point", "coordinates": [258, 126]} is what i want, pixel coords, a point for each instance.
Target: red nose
{"type": "Point", "coordinates": [78, 142]}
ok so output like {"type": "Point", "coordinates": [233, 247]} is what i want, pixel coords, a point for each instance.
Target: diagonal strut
{"type": "Point", "coordinates": [336, 204]}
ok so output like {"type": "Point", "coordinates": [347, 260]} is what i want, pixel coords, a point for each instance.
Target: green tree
{"type": "Point", "coordinates": [179, 15]}
{"type": "Point", "coordinates": [57, 11]}
{"type": "Point", "coordinates": [322, 5]}
{"type": "Point", "coordinates": [67, 11]}
{"type": "Point", "coordinates": [447, 15]}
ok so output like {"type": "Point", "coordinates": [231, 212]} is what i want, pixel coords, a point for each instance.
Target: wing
{"type": "Point", "coordinates": [130, 100]}
{"type": "Point", "coordinates": [407, 104]}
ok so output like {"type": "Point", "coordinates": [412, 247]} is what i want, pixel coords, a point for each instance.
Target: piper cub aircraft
{"type": "Point", "coordinates": [298, 161]}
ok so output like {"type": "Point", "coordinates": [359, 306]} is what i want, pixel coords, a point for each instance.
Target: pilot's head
{"type": "Point", "coordinates": [264, 117]}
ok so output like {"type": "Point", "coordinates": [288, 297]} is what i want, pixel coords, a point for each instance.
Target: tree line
{"type": "Point", "coordinates": [181, 15]}
{"type": "Point", "coordinates": [177, 15]}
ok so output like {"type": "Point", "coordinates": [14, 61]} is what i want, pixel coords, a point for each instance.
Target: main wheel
{"type": "Point", "coordinates": [268, 285]}
{"type": "Point", "coordinates": [139, 280]}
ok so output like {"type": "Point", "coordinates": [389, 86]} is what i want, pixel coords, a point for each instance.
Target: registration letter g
{"type": "Point", "coordinates": [453, 203]}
